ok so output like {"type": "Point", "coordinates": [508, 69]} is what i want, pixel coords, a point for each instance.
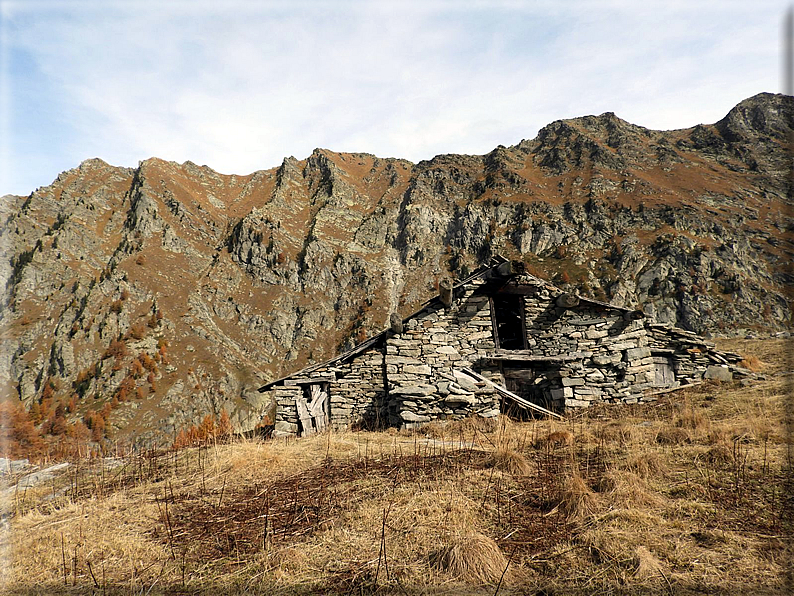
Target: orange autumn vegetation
{"type": "Point", "coordinates": [208, 431]}
{"type": "Point", "coordinates": [19, 437]}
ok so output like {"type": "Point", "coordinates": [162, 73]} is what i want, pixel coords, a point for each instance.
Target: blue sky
{"type": "Point", "coordinates": [238, 85]}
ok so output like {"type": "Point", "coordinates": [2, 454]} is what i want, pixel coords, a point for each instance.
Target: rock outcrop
{"type": "Point", "coordinates": [217, 283]}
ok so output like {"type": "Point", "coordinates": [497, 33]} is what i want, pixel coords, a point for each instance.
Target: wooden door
{"type": "Point", "coordinates": [664, 377]}
{"type": "Point", "coordinates": [313, 408]}
{"type": "Point", "coordinates": [318, 407]}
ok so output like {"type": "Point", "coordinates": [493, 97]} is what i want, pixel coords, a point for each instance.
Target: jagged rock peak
{"type": "Point", "coordinates": [93, 163]}
{"type": "Point", "coordinates": [765, 114]}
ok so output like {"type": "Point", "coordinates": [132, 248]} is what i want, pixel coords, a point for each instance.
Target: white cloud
{"type": "Point", "coordinates": [238, 86]}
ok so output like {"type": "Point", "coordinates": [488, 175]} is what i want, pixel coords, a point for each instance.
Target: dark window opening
{"type": "Point", "coordinates": [534, 385]}
{"type": "Point", "coordinates": [509, 321]}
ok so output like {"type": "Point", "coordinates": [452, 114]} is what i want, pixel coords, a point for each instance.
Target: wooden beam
{"type": "Point", "coordinates": [671, 389]}
{"type": "Point", "coordinates": [507, 393]}
{"type": "Point", "coordinates": [317, 407]}
{"type": "Point", "coordinates": [320, 378]}
{"type": "Point", "coordinates": [522, 290]}
{"type": "Point", "coordinates": [305, 416]}
{"type": "Point", "coordinates": [527, 359]}
{"type": "Point", "coordinates": [528, 356]}
{"type": "Point", "coordinates": [445, 292]}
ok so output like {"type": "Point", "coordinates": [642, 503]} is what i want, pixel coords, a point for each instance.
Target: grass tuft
{"type": "Point", "coordinates": [627, 490]}
{"type": "Point", "coordinates": [673, 436]}
{"type": "Point", "coordinates": [648, 566]}
{"type": "Point", "coordinates": [510, 461]}
{"type": "Point", "coordinates": [646, 465]}
{"type": "Point", "coordinates": [472, 558]}
{"type": "Point", "coordinates": [752, 363]}
{"type": "Point", "coordinates": [691, 418]}
{"type": "Point", "coordinates": [575, 499]}
{"type": "Point", "coordinates": [617, 431]}
{"type": "Point", "coordinates": [554, 440]}
{"type": "Point", "coordinates": [719, 454]}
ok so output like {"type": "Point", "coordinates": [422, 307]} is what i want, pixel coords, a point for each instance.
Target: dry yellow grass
{"type": "Point", "coordinates": [682, 496]}
{"type": "Point", "coordinates": [752, 363]}
{"type": "Point", "coordinates": [648, 566]}
{"type": "Point", "coordinates": [646, 465]}
{"type": "Point", "coordinates": [617, 431]}
{"type": "Point", "coordinates": [575, 498]}
{"type": "Point", "coordinates": [510, 461]}
{"type": "Point", "coordinates": [473, 558]}
{"type": "Point", "coordinates": [555, 440]}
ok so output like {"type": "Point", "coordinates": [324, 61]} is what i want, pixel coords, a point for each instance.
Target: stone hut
{"type": "Point", "coordinates": [499, 340]}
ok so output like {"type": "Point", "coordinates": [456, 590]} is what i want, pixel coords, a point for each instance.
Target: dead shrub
{"type": "Point", "coordinates": [673, 436]}
{"type": "Point", "coordinates": [472, 558]}
{"type": "Point", "coordinates": [117, 349]}
{"type": "Point", "coordinates": [137, 331]}
{"type": "Point", "coordinates": [147, 362]}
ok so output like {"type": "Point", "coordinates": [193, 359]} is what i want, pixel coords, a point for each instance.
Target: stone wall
{"type": "Point", "coordinates": [607, 357]}
{"type": "Point", "coordinates": [423, 363]}
{"type": "Point", "coordinates": [356, 393]}
{"type": "Point", "coordinates": [358, 396]}
{"type": "Point", "coordinates": [690, 355]}
{"type": "Point", "coordinates": [286, 411]}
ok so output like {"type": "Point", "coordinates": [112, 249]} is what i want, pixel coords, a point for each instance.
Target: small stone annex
{"type": "Point", "coordinates": [501, 340]}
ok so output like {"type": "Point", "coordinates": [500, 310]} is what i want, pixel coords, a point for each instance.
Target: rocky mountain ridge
{"type": "Point", "coordinates": [216, 283]}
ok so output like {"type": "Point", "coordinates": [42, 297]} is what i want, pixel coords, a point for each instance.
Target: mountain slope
{"type": "Point", "coordinates": [215, 283]}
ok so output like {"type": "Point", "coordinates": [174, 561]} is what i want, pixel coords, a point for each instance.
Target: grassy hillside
{"type": "Point", "coordinates": [689, 495]}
